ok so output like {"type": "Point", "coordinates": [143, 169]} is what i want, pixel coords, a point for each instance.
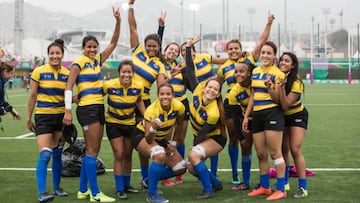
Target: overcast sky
{"type": "Point", "coordinates": [297, 10]}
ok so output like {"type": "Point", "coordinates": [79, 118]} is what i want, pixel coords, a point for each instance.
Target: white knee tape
{"type": "Point", "coordinates": [156, 150]}
{"type": "Point", "coordinates": [200, 150]}
{"type": "Point", "coordinates": [279, 161]}
{"type": "Point", "coordinates": [179, 165]}
{"type": "Point", "coordinates": [173, 143]}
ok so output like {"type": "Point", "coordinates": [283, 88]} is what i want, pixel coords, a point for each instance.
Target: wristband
{"type": "Point", "coordinates": [169, 76]}
{"type": "Point", "coordinates": [68, 99]}
{"type": "Point", "coordinates": [131, 6]}
{"type": "Point", "coordinates": [152, 130]}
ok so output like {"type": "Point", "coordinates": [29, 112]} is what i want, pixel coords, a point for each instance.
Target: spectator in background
{"type": "Point", "coordinates": [11, 82]}
{"type": "Point", "coordinates": [6, 72]}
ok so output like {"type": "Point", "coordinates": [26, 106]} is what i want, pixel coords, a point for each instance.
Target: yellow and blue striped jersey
{"type": "Point", "coordinates": [122, 101]}
{"type": "Point", "coordinates": [203, 68]}
{"type": "Point", "coordinates": [146, 69]}
{"type": "Point", "coordinates": [262, 98]}
{"type": "Point", "coordinates": [201, 114]}
{"type": "Point", "coordinates": [167, 117]}
{"type": "Point", "coordinates": [226, 71]}
{"type": "Point", "coordinates": [298, 106]}
{"type": "Point", "coordinates": [51, 87]}
{"type": "Point", "coordinates": [239, 95]}
{"type": "Point", "coordinates": [89, 81]}
{"type": "Point", "coordinates": [177, 82]}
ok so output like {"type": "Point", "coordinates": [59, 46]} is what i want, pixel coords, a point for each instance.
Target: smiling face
{"type": "Point", "coordinates": [234, 50]}
{"type": "Point", "coordinates": [171, 52]}
{"type": "Point", "coordinates": [152, 47]}
{"type": "Point", "coordinates": [90, 49]}
{"type": "Point", "coordinates": [241, 73]}
{"type": "Point", "coordinates": [165, 94]}
{"type": "Point", "coordinates": [125, 74]}
{"type": "Point", "coordinates": [267, 55]}
{"type": "Point", "coordinates": [286, 63]}
{"type": "Point", "coordinates": [212, 90]}
{"type": "Point", "coordinates": [55, 56]}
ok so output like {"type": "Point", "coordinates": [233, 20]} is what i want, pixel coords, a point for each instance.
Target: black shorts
{"type": "Point", "coordinates": [48, 123]}
{"type": "Point", "coordinates": [187, 109]}
{"type": "Point", "coordinates": [268, 119]}
{"type": "Point", "coordinates": [221, 140]}
{"type": "Point", "coordinates": [138, 135]}
{"type": "Point", "coordinates": [299, 119]}
{"type": "Point", "coordinates": [231, 110]}
{"type": "Point", "coordinates": [115, 130]}
{"type": "Point", "coordinates": [90, 114]}
{"type": "Point", "coordinates": [138, 113]}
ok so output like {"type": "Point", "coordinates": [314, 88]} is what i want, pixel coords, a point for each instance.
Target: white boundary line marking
{"type": "Point", "coordinates": [24, 135]}
{"type": "Point", "coordinates": [222, 170]}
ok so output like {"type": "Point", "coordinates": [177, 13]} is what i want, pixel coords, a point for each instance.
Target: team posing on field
{"type": "Point", "coordinates": [262, 107]}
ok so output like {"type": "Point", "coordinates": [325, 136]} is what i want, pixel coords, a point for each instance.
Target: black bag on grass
{"type": "Point", "coordinates": [72, 159]}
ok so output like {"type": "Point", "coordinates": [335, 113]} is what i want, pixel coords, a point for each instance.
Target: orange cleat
{"type": "Point", "coordinates": [179, 180]}
{"type": "Point", "coordinates": [278, 194]}
{"type": "Point", "coordinates": [259, 191]}
{"type": "Point", "coordinates": [168, 182]}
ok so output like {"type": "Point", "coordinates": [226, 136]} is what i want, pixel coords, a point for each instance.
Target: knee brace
{"type": "Point", "coordinates": [199, 150]}
{"type": "Point", "coordinates": [279, 161]}
{"type": "Point", "coordinates": [156, 150]}
{"type": "Point", "coordinates": [179, 165]}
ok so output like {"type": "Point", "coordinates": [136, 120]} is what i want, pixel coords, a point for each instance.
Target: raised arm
{"type": "Point", "coordinates": [264, 36]}
{"type": "Point", "coordinates": [161, 27]}
{"type": "Point", "coordinates": [190, 68]}
{"type": "Point", "coordinates": [134, 37]}
{"type": "Point", "coordinates": [115, 37]}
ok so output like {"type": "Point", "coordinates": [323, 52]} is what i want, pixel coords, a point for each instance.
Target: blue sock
{"type": "Point", "coordinates": [246, 169]}
{"type": "Point", "coordinates": [155, 170]}
{"type": "Point", "coordinates": [280, 184]}
{"type": "Point", "coordinates": [287, 170]}
{"type": "Point", "coordinates": [213, 179]}
{"type": "Point", "coordinates": [144, 171]}
{"type": "Point", "coordinates": [41, 169]}
{"type": "Point", "coordinates": [90, 166]}
{"type": "Point", "coordinates": [127, 178]}
{"type": "Point", "coordinates": [56, 167]}
{"type": "Point", "coordinates": [214, 164]}
{"type": "Point", "coordinates": [203, 175]}
{"type": "Point", "coordinates": [234, 156]}
{"type": "Point", "coordinates": [167, 173]}
{"type": "Point", "coordinates": [181, 150]}
{"type": "Point", "coordinates": [119, 182]}
{"type": "Point", "coordinates": [265, 181]}
{"type": "Point", "coordinates": [83, 177]}
{"type": "Point", "coordinates": [302, 183]}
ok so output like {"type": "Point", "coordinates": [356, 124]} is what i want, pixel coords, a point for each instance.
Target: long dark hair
{"type": "Point", "coordinates": [220, 104]}
{"type": "Point", "coordinates": [294, 72]}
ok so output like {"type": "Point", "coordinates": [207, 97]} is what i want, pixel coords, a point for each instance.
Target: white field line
{"type": "Point", "coordinates": [24, 135]}
{"type": "Point", "coordinates": [222, 170]}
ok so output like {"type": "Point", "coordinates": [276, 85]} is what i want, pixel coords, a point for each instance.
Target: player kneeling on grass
{"type": "Point", "coordinates": [149, 140]}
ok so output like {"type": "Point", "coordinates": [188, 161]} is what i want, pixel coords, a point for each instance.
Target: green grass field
{"type": "Point", "coordinates": [331, 150]}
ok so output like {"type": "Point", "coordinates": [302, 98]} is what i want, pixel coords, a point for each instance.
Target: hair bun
{"type": "Point", "coordinates": [59, 41]}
